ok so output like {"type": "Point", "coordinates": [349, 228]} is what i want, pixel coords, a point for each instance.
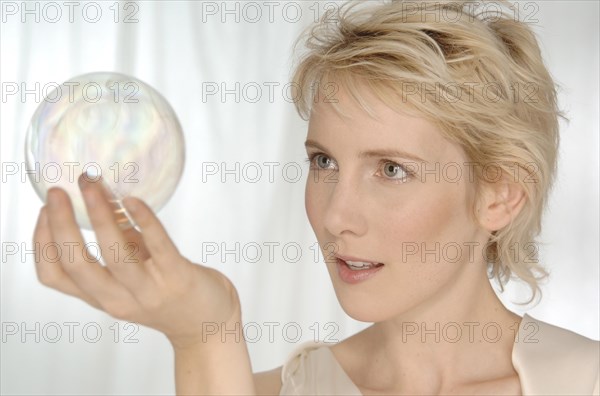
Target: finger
{"type": "Point", "coordinates": [133, 236]}
{"type": "Point", "coordinates": [157, 241]}
{"type": "Point", "coordinates": [120, 255]}
{"type": "Point", "coordinates": [91, 277]}
{"type": "Point", "coordinates": [47, 262]}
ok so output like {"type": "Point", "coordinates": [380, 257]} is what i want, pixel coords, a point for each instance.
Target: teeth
{"type": "Point", "coordinates": [358, 265]}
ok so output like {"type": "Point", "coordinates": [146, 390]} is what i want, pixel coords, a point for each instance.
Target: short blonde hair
{"type": "Point", "coordinates": [492, 94]}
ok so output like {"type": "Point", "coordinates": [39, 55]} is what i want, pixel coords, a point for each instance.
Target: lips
{"type": "Point", "coordinates": [354, 270]}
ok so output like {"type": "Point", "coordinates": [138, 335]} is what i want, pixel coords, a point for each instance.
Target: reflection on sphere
{"type": "Point", "coordinates": [110, 125]}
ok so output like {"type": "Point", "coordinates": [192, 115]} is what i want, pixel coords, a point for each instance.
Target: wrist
{"type": "Point", "coordinates": [212, 335]}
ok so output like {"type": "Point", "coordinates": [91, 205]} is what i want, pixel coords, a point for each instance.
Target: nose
{"type": "Point", "coordinates": [345, 209]}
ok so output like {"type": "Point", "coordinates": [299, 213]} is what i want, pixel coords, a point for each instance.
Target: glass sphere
{"type": "Point", "coordinates": [106, 125]}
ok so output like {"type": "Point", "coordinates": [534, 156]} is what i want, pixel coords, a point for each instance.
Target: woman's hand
{"type": "Point", "coordinates": [145, 279]}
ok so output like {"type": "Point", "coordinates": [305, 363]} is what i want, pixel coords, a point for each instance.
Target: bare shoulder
{"type": "Point", "coordinates": [268, 382]}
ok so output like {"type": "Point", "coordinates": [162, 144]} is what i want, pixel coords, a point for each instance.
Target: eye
{"type": "Point", "coordinates": [320, 161]}
{"type": "Point", "coordinates": [394, 171]}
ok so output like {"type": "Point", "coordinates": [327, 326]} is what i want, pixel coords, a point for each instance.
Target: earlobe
{"type": "Point", "coordinates": [500, 203]}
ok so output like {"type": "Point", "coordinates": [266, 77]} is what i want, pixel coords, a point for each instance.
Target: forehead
{"type": "Point", "coordinates": [342, 122]}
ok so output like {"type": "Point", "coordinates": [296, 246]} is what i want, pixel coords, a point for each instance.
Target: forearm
{"type": "Point", "coordinates": [218, 365]}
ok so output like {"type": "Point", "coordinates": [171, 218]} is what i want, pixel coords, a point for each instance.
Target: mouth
{"type": "Point", "coordinates": [354, 270]}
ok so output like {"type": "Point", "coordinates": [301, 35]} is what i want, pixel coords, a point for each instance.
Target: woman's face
{"type": "Point", "coordinates": [362, 204]}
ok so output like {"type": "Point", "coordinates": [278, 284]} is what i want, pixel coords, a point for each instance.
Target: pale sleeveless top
{"type": "Point", "coordinates": [561, 362]}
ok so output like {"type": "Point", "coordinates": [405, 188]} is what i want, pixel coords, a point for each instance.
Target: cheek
{"type": "Point", "coordinates": [313, 204]}
{"type": "Point", "coordinates": [436, 214]}
{"type": "Point", "coordinates": [418, 221]}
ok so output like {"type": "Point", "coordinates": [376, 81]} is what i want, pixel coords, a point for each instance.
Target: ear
{"type": "Point", "coordinates": [499, 203]}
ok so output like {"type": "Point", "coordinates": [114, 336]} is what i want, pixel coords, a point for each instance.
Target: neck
{"type": "Point", "coordinates": [463, 334]}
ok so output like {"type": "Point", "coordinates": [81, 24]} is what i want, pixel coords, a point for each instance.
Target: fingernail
{"type": "Point", "coordinates": [84, 181]}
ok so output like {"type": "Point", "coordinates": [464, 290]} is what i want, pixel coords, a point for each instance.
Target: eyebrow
{"type": "Point", "coordinates": [379, 153]}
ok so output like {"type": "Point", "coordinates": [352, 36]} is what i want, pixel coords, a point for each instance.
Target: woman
{"type": "Point", "coordinates": [432, 140]}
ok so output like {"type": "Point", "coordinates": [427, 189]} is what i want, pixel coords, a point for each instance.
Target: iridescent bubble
{"type": "Point", "coordinates": [110, 125]}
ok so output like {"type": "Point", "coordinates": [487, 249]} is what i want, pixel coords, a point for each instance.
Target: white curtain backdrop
{"type": "Point", "coordinates": [50, 343]}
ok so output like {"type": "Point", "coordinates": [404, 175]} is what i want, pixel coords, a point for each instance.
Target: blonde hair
{"type": "Point", "coordinates": [492, 94]}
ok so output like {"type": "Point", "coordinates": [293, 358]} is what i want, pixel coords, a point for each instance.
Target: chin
{"type": "Point", "coordinates": [372, 301]}
{"type": "Point", "coordinates": [364, 307]}
{"type": "Point", "coordinates": [363, 314]}
{"type": "Point", "coordinates": [372, 304]}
